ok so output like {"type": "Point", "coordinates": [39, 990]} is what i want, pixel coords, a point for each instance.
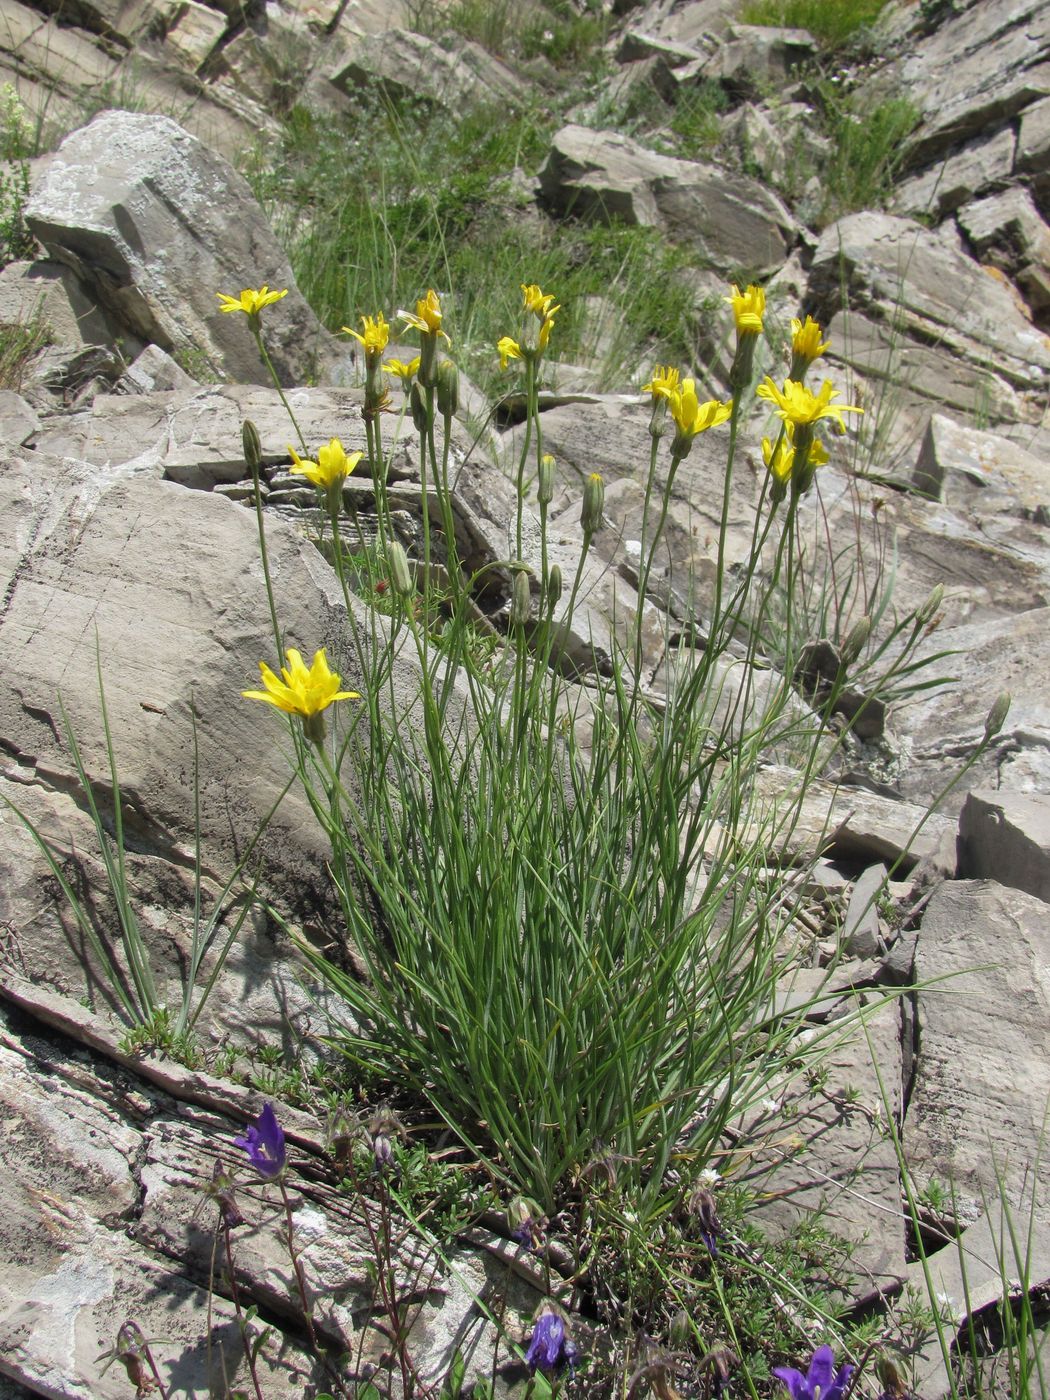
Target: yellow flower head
{"type": "Point", "coordinates": [509, 349]}
{"type": "Point", "coordinates": [663, 383]}
{"type": "Point", "coordinates": [779, 459]}
{"type": "Point", "coordinates": [332, 467]}
{"type": "Point", "coordinates": [806, 343]}
{"type": "Point", "coordinates": [250, 301]}
{"type": "Point", "coordinates": [405, 372]}
{"type": "Point", "coordinates": [536, 302]}
{"type": "Point", "coordinates": [301, 691]}
{"type": "Point", "coordinates": [376, 334]}
{"type": "Point", "coordinates": [798, 406]}
{"type": "Point", "coordinates": [427, 318]}
{"type": "Point", "coordinates": [691, 416]}
{"type": "Point", "coordinates": [748, 309]}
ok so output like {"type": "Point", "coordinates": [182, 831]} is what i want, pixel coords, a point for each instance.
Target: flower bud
{"type": "Point", "coordinates": [252, 446]}
{"type": "Point", "coordinates": [554, 587]}
{"type": "Point", "coordinates": [417, 402]}
{"type": "Point", "coordinates": [855, 640]}
{"type": "Point", "coordinates": [220, 1189]}
{"type": "Point", "coordinates": [742, 370]}
{"type": "Point", "coordinates": [997, 715]}
{"type": "Point", "coordinates": [593, 504]}
{"type": "Point", "coordinates": [931, 607]}
{"type": "Point", "coordinates": [400, 573]}
{"type": "Point", "coordinates": [447, 389]}
{"type": "Point", "coordinates": [545, 480]}
{"type": "Point", "coordinates": [520, 600]}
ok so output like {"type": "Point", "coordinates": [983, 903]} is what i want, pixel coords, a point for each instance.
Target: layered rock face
{"type": "Point", "coordinates": [128, 548]}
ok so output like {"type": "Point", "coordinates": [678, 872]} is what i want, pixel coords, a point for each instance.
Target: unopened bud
{"type": "Point", "coordinates": [855, 640]}
{"type": "Point", "coordinates": [931, 607]}
{"type": "Point", "coordinates": [447, 389]}
{"type": "Point", "coordinates": [520, 600]}
{"type": "Point", "coordinates": [417, 402]}
{"type": "Point", "coordinates": [545, 480]}
{"type": "Point", "coordinates": [593, 504]}
{"type": "Point", "coordinates": [997, 715]}
{"type": "Point", "coordinates": [400, 573]}
{"type": "Point", "coordinates": [252, 446]}
{"type": "Point", "coordinates": [554, 587]}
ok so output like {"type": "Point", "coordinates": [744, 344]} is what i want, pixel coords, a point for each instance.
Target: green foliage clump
{"type": "Point", "coordinates": [867, 149]}
{"type": "Point", "coordinates": [832, 22]}
{"type": "Point", "coordinates": [16, 145]}
{"type": "Point", "coordinates": [410, 198]}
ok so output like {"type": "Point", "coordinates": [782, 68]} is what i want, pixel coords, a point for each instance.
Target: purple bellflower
{"type": "Point", "coordinates": [263, 1141]}
{"type": "Point", "coordinates": [821, 1381]}
{"type": "Point", "coordinates": [551, 1344]}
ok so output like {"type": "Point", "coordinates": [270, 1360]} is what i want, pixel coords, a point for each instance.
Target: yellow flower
{"type": "Point", "coordinates": [332, 467]}
{"type": "Point", "coordinates": [301, 691]}
{"type": "Point", "coordinates": [404, 372]}
{"type": "Point", "coordinates": [509, 349]}
{"type": "Point", "coordinates": [797, 405]}
{"type": "Point", "coordinates": [691, 416]}
{"type": "Point", "coordinates": [427, 318]}
{"type": "Point", "coordinates": [663, 383]}
{"type": "Point", "coordinates": [376, 334]}
{"type": "Point", "coordinates": [748, 309]}
{"type": "Point", "coordinates": [250, 301]}
{"type": "Point", "coordinates": [537, 302]}
{"type": "Point", "coordinates": [780, 458]}
{"type": "Point", "coordinates": [806, 343]}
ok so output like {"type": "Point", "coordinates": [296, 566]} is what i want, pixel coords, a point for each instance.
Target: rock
{"type": "Point", "coordinates": [1032, 159]}
{"type": "Point", "coordinates": [18, 422]}
{"type": "Point", "coordinates": [272, 57]}
{"type": "Point", "coordinates": [64, 56]}
{"type": "Point", "coordinates": [1007, 231]}
{"type": "Point", "coordinates": [730, 220]}
{"type": "Point", "coordinates": [975, 72]}
{"type": "Point", "coordinates": [940, 189]}
{"type": "Point", "coordinates": [976, 1116]}
{"type": "Point", "coordinates": [51, 292]}
{"type": "Point", "coordinates": [154, 371]}
{"type": "Point", "coordinates": [827, 1151]}
{"type": "Point", "coordinates": [969, 469]}
{"type": "Point", "coordinates": [861, 930]}
{"type": "Point", "coordinates": [757, 141]}
{"type": "Point", "coordinates": [410, 65]}
{"type": "Point", "coordinates": [942, 728]}
{"type": "Point", "coordinates": [1005, 836]}
{"type": "Point", "coordinates": [967, 1276]}
{"type": "Point", "coordinates": [177, 610]}
{"type": "Point", "coordinates": [926, 318]}
{"type": "Point", "coordinates": [636, 45]}
{"type": "Point", "coordinates": [752, 59]}
{"type": "Point", "coordinates": [71, 1157]}
{"type": "Point", "coordinates": [155, 224]}
{"type": "Point", "coordinates": [194, 32]}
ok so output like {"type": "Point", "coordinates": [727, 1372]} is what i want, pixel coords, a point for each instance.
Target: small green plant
{"type": "Point", "coordinates": [16, 146]}
{"type": "Point", "coordinates": [20, 343]}
{"type": "Point", "coordinates": [833, 22]}
{"type": "Point", "coordinates": [867, 147]}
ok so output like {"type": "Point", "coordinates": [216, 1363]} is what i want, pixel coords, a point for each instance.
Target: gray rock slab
{"type": "Point", "coordinates": [167, 585]}
{"type": "Point", "coordinates": [18, 420]}
{"type": "Point", "coordinates": [862, 935]}
{"type": "Point", "coordinates": [193, 436]}
{"type": "Point", "coordinates": [1005, 836]}
{"type": "Point", "coordinates": [732, 220]}
{"type": "Point", "coordinates": [942, 729]}
{"type": "Point", "coordinates": [943, 187]}
{"type": "Point", "coordinates": [977, 1112]}
{"type": "Point", "coordinates": [901, 275]}
{"type": "Point", "coordinates": [407, 64]}
{"type": "Point", "coordinates": [53, 293]}
{"type": "Point", "coordinates": [967, 1275]}
{"type": "Point", "coordinates": [153, 371]}
{"type": "Point", "coordinates": [827, 1152]}
{"type": "Point", "coordinates": [156, 224]}
{"type": "Point", "coordinates": [975, 72]}
{"type": "Point", "coordinates": [973, 469]}
{"type": "Point", "coordinates": [753, 58]}
{"type": "Point", "coordinates": [66, 57]}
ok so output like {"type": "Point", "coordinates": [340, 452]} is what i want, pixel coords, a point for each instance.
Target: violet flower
{"type": "Point", "coordinates": [263, 1141]}
{"type": "Point", "coordinates": [551, 1344]}
{"type": "Point", "coordinates": [821, 1381]}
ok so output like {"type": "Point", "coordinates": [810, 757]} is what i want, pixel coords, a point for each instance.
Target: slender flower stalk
{"type": "Point", "coordinates": [252, 302]}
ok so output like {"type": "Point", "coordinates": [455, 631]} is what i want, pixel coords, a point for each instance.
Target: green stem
{"type": "Point", "coordinates": [257, 332]}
